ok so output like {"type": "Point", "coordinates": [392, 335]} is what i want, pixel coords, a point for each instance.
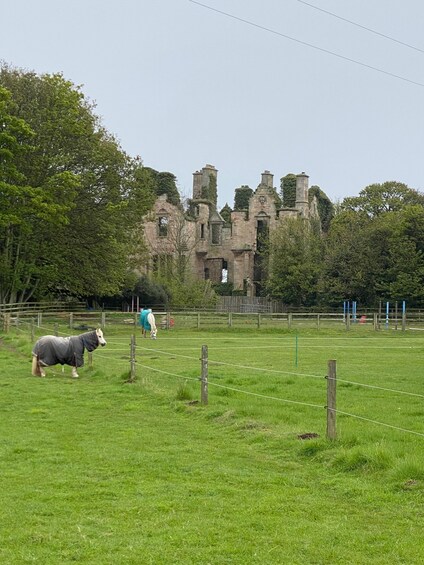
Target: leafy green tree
{"type": "Point", "coordinates": [347, 267]}
{"type": "Point", "coordinates": [27, 213]}
{"type": "Point", "coordinates": [192, 293]}
{"type": "Point", "coordinates": [295, 253]}
{"type": "Point", "coordinates": [406, 256]}
{"type": "Point", "coordinates": [94, 194]}
{"type": "Point", "coordinates": [389, 196]}
{"type": "Point", "coordinates": [288, 190]}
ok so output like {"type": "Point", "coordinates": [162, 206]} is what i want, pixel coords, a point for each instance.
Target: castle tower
{"type": "Point", "coordinates": [302, 200]}
{"type": "Point", "coordinates": [267, 179]}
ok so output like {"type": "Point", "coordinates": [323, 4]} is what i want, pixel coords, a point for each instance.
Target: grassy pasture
{"type": "Point", "coordinates": [97, 470]}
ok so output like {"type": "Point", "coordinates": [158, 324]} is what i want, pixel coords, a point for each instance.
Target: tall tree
{"type": "Point", "coordinates": [80, 170]}
{"type": "Point", "coordinates": [294, 262]}
{"type": "Point", "coordinates": [26, 212]}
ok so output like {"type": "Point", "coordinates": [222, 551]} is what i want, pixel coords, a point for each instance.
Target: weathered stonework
{"type": "Point", "coordinates": [212, 248]}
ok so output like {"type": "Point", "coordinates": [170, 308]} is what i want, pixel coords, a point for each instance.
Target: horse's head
{"type": "Point", "coordinates": [100, 337]}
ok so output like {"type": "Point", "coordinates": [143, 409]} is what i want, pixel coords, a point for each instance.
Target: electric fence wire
{"type": "Point", "coordinates": [306, 44]}
{"type": "Point", "coordinates": [235, 389]}
{"type": "Point", "coordinates": [376, 422]}
{"type": "Point", "coordinates": [361, 26]}
{"type": "Point", "coordinates": [291, 373]}
{"type": "Point", "coordinates": [287, 401]}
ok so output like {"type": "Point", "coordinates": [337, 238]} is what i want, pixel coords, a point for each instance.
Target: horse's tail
{"type": "Point", "coordinates": [36, 371]}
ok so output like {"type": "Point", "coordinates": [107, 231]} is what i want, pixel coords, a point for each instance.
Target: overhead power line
{"type": "Point", "coordinates": [361, 26]}
{"type": "Point", "coordinates": [273, 31]}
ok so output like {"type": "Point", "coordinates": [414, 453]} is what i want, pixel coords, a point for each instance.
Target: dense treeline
{"type": "Point", "coordinates": [373, 250]}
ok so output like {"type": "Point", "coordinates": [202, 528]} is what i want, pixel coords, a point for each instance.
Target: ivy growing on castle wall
{"type": "Point", "coordinates": [325, 206]}
{"type": "Point", "coordinates": [288, 190]}
{"type": "Point", "coordinates": [242, 197]}
{"type": "Point", "coordinates": [210, 192]}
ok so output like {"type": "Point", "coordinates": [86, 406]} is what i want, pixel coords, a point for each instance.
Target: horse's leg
{"type": "Point", "coordinates": [74, 373]}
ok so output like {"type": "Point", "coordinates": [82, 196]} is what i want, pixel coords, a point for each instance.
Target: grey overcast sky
{"type": "Point", "coordinates": [182, 85]}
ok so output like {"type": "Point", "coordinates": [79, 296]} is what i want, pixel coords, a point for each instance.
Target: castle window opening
{"type": "Point", "coordinates": [202, 231]}
{"type": "Point", "coordinates": [224, 272]}
{"type": "Point", "coordinates": [262, 234]}
{"type": "Point", "coordinates": [206, 274]}
{"type": "Point", "coordinates": [163, 222]}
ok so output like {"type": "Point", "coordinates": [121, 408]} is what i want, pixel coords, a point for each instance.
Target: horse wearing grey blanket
{"type": "Point", "coordinates": [51, 350]}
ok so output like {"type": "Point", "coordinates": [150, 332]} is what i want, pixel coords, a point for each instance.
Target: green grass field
{"type": "Point", "coordinates": [99, 470]}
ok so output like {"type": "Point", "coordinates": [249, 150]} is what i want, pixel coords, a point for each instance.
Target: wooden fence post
{"type": "Point", "coordinates": [289, 320]}
{"type": "Point", "coordinates": [32, 331]}
{"type": "Point", "coordinates": [230, 319]}
{"type": "Point", "coordinates": [56, 329]}
{"type": "Point", "coordinates": [103, 320]}
{"type": "Point", "coordinates": [71, 320]}
{"type": "Point", "coordinates": [204, 376]}
{"type": "Point", "coordinates": [259, 320]}
{"type": "Point", "coordinates": [348, 321]}
{"type": "Point", "coordinates": [331, 400]}
{"type": "Point", "coordinates": [90, 359]}
{"type": "Point", "coordinates": [198, 320]}
{"type": "Point", "coordinates": [375, 321]}
{"type": "Point", "coordinates": [318, 321]}
{"type": "Point", "coordinates": [39, 319]}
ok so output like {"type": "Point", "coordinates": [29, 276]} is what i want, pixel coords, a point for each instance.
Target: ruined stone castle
{"type": "Point", "coordinates": [214, 248]}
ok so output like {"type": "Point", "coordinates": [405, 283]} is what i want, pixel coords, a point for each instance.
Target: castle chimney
{"type": "Point", "coordinates": [302, 200]}
{"type": "Point", "coordinates": [267, 179]}
{"type": "Point", "coordinates": [197, 185]}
